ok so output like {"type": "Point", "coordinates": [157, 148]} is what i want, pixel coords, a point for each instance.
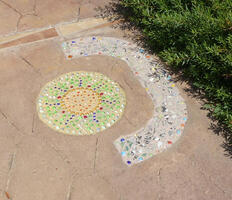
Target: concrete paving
{"type": "Point", "coordinates": [39, 163]}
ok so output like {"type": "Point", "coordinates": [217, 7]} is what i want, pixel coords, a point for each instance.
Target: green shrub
{"type": "Point", "coordinates": [194, 36]}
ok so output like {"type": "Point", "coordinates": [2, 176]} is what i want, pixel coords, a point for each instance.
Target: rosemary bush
{"type": "Point", "coordinates": [194, 36]}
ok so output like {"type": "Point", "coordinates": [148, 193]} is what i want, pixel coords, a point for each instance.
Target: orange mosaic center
{"type": "Point", "coordinates": [81, 101]}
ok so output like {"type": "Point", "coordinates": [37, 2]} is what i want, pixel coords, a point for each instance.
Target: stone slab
{"type": "Point", "coordinates": [72, 28]}
{"type": "Point", "coordinates": [45, 34]}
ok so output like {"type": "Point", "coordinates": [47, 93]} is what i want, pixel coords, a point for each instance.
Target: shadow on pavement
{"type": "Point", "coordinates": [116, 12]}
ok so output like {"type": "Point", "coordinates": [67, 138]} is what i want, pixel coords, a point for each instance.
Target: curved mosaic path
{"type": "Point", "coordinates": [170, 114]}
{"type": "Point", "coordinates": [81, 103]}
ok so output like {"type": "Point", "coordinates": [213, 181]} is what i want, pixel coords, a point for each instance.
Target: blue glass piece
{"type": "Point", "coordinates": [128, 162]}
{"type": "Point", "coordinates": [122, 140]}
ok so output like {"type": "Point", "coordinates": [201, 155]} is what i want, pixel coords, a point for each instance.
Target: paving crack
{"type": "Point", "coordinates": [131, 123]}
{"type": "Point", "coordinates": [57, 151]}
{"type": "Point", "coordinates": [9, 6]}
{"type": "Point", "coordinates": [11, 165]}
{"type": "Point", "coordinates": [159, 181]}
{"type": "Point", "coordinates": [12, 160]}
{"type": "Point", "coordinates": [31, 65]}
{"type": "Point", "coordinates": [17, 25]}
{"type": "Point", "coordinates": [128, 84]}
{"type": "Point", "coordinates": [78, 14]}
{"type": "Point", "coordinates": [34, 8]}
{"type": "Point", "coordinates": [10, 122]}
{"type": "Point", "coordinates": [69, 194]}
{"type": "Point", "coordinates": [158, 174]}
{"type": "Point", "coordinates": [33, 123]}
{"type": "Point", "coordinates": [111, 69]}
{"type": "Point", "coordinates": [95, 155]}
{"type": "Point", "coordinates": [70, 187]}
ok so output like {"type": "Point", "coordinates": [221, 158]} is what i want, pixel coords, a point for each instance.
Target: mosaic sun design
{"type": "Point", "coordinates": [81, 103]}
{"type": "Point", "coordinates": [170, 114]}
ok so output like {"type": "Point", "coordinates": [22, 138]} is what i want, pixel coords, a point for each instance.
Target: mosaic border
{"type": "Point", "coordinates": [170, 114]}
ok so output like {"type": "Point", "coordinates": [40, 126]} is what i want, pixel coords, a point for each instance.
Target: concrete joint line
{"type": "Point", "coordinates": [60, 30]}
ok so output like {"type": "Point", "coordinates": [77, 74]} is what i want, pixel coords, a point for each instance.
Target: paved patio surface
{"type": "Point", "coordinates": [39, 163]}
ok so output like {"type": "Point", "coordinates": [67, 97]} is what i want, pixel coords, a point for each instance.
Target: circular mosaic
{"type": "Point", "coordinates": [81, 103]}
